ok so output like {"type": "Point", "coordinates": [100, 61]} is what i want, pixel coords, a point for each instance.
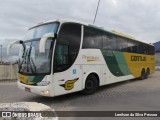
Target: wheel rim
{"type": "Point", "coordinates": [89, 84]}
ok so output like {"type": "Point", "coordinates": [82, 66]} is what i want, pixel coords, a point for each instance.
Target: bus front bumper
{"type": "Point", "coordinates": [41, 90]}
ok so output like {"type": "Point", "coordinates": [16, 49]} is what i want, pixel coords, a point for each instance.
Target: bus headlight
{"type": "Point", "coordinates": [43, 83]}
{"type": "Point", "coordinates": [45, 92]}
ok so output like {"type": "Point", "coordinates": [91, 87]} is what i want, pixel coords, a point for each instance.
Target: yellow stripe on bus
{"type": "Point", "coordinates": [24, 79]}
{"type": "Point", "coordinates": [136, 62]}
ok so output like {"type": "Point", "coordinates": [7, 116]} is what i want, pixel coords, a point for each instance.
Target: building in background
{"type": "Point", "coordinates": [157, 50]}
{"type": "Point", "coordinates": [1, 62]}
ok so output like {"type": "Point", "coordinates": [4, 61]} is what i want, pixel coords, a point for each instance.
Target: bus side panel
{"type": "Point", "coordinates": [106, 64]}
{"type": "Point", "coordinates": [68, 81]}
{"type": "Point", "coordinates": [136, 62]}
{"type": "Point", "coordinates": [93, 62]}
{"type": "Point", "coordinates": [152, 64]}
{"type": "Point", "coordinates": [89, 69]}
{"type": "Point", "coordinates": [115, 68]}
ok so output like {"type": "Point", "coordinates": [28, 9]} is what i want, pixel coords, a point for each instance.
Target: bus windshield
{"type": "Point", "coordinates": [31, 61]}
{"type": "Point", "coordinates": [39, 31]}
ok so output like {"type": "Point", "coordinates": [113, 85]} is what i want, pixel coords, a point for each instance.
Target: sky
{"type": "Point", "coordinates": [137, 18]}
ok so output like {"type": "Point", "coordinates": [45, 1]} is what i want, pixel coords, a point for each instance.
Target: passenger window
{"type": "Point", "coordinates": [122, 44]}
{"type": "Point", "coordinates": [132, 46]}
{"type": "Point", "coordinates": [92, 38]}
{"type": "Point", "coordinates": [109, 42]}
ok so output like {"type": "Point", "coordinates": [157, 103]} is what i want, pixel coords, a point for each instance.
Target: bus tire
{"type": "Point", "coordinates": [91, 85]}
{"type": "Point", "coordinates": [147, 73]}
{"type": "Point", "coordinates": [143, 74]}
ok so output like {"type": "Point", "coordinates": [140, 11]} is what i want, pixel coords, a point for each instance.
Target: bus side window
{"type": "Point", "coordinates": [109, 42]}
{"type": "Point", "coordinates": [133, 46]}
{"type": "Point", "coordinates": [142, 48]}
{"type": "Point", "coordinates": [122, 44]}
{"type": "Point", "coordinates": [92, 38]}
{"type": "Point", "coordinates": [151, 50]}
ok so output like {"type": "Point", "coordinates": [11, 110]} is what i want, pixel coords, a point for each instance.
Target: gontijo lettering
{"type": "Point", "coordinates": [138, 58]}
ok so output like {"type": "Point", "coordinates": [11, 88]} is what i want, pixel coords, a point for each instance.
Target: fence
{"type": "Point", "coordinates": [8, 72]}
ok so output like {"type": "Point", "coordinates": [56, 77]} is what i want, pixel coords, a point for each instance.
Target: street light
{"type": "Point", "coordinates": [96, 12]}
{"type": "Point", "coordinates": [1, 52]}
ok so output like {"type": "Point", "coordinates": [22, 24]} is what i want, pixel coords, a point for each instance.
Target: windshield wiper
{"type": "Point", "coordinates": [23, 55]}
{"type": "Point", "coordinates": [23, 59]}
{"type": "Point", "coordinates": [29, 61]}
{"type": "Point", "coordinates": [24, 46]}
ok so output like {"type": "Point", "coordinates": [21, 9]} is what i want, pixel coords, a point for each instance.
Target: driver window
{"type": "Point", "coordinates": [67, 46]}
{"type": "Point", "coordinates": [61, 54]}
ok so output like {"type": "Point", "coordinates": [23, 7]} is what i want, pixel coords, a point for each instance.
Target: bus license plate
{"type": "Point", "coordinates": [27, 89]}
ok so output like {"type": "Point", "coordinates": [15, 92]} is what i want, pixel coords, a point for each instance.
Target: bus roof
{"type": "Point", "coordinates": [83, 23]}
{"type": "Point", "coordinates": [130, 37]}
{"type": "Point", "coordinates": [120, 34]}
{"type": "Point", "coordinates": [61, 21]}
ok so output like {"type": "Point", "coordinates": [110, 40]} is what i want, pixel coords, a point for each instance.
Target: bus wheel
{"type": "Point", "coordinates": [147, 73]}
{"type": "Point", "coordinates": [143, 74]}
{"type": "Point", "coordinates": [91, 85]}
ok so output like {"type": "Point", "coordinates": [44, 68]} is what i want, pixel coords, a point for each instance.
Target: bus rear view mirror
{"type": "Point", "coordinates": [12, 43]}
{"type": "Point", "coordinates": [43, 41]}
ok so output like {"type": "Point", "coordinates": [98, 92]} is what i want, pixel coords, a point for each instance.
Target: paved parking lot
{"type": "Point", "coordinates": [132, 95]}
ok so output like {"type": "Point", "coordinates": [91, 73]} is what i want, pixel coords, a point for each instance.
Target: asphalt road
{"type": "Point", "coordinates": [132, 95]}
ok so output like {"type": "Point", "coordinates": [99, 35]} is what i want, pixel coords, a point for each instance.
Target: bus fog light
{"type": "Point", "coordinates": [45, 92]}
{"type": "Point", "coordinates": [43, 83]}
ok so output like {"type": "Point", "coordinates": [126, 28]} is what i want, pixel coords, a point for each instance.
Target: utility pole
{"type": "Point", "coordinates": [1, 53]}
{"type": "Point", "coordinates": [96, 12]}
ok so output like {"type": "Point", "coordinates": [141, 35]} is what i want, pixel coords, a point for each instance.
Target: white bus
{"type": "Point", "coordinates": [64, 56]}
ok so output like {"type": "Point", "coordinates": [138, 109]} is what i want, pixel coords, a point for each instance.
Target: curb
{"type": "Point", "coordinates": [7, 80]}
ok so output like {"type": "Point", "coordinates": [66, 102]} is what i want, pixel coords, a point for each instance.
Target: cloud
{"type": "Point", "coordinates": [135, 17]}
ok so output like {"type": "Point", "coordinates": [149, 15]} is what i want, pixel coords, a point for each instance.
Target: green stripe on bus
{"type": "Point", "coordinates": [116, 62]}
{"type": "Point", "coordinates": [122, 63]}
{"type": "Point", "coordinates": [36, 79]}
